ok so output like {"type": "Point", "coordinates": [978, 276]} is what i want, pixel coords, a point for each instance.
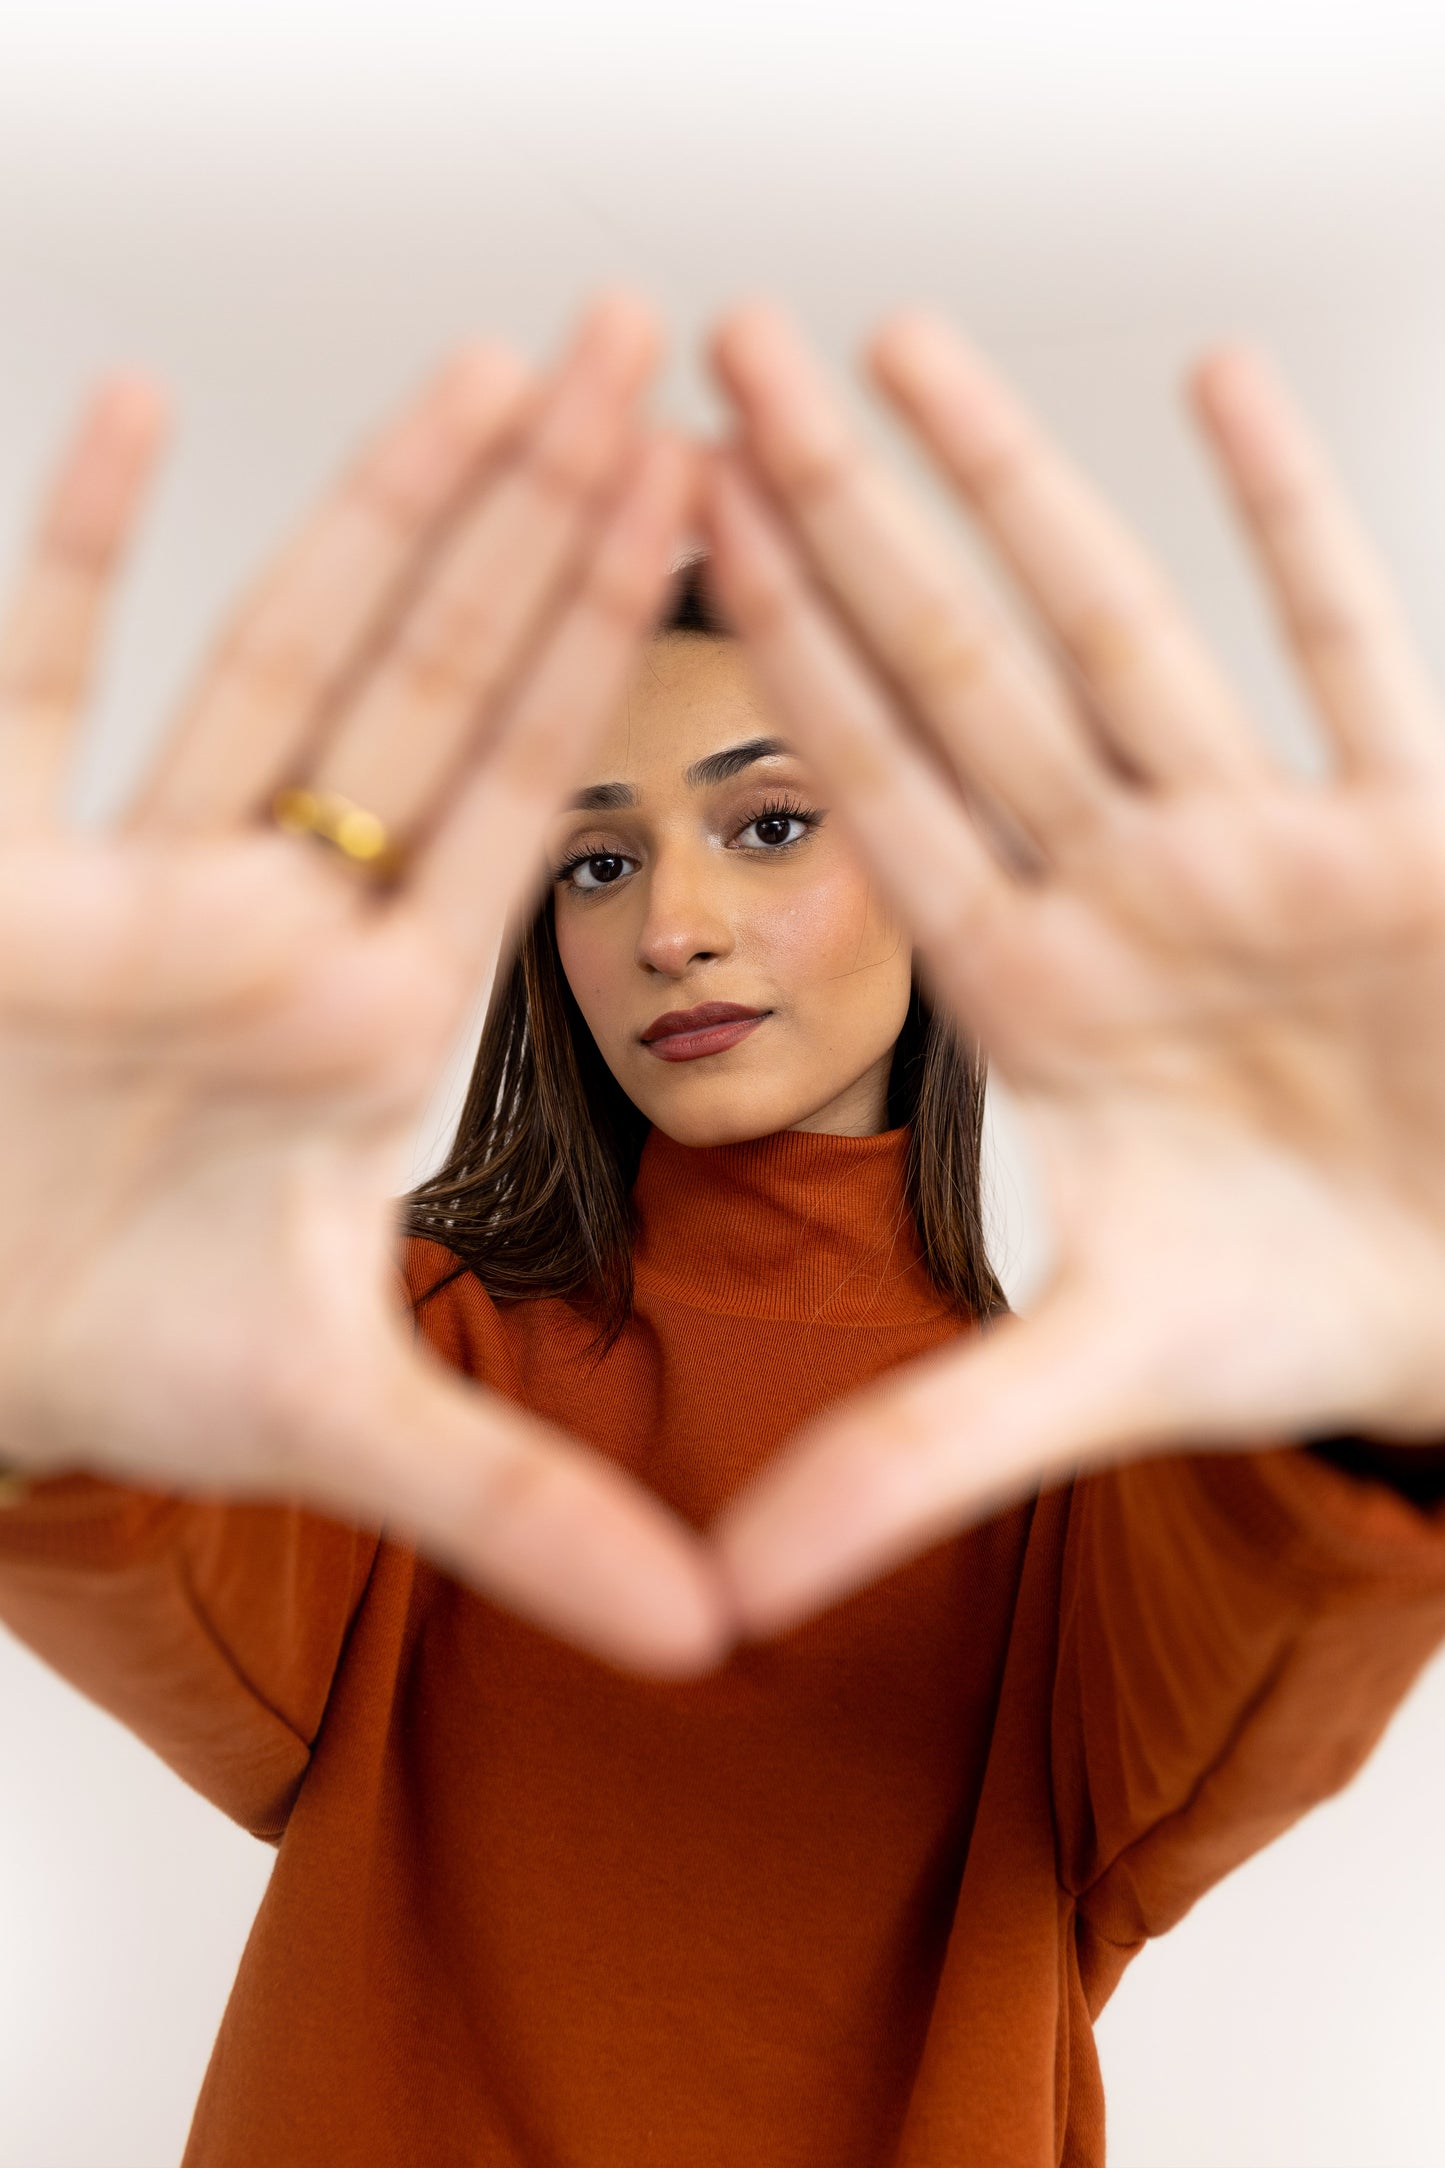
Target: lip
{"type": "Point", "coordinates": [710, 1028]}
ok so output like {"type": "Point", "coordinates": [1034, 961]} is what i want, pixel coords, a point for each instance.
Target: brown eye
{"type": "Point", "coordinates": [774, 830]}
{"type": "Point", "coordinates": [599, 871]}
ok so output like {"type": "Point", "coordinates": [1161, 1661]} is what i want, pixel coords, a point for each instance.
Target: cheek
{"type": "Point", "coordinates": [835, 922]}
{"type": "Point", "coordinates": [590, 964]}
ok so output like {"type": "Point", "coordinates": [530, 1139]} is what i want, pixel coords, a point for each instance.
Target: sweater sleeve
{"type": "Point", "coordinates": [212, 1628]}
{"type": "Point", "coordinates": [1235, 1632]}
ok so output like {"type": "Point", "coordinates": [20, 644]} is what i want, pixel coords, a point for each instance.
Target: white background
{"type": "Point", "coordinates": [288, 213]}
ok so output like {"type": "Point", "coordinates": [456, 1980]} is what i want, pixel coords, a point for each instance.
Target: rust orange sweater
{"type": "Point", "coordinates": [856, 1898]}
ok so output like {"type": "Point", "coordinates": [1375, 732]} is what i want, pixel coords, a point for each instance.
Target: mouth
{"type": "Point", "coordinates": [712, 1027]}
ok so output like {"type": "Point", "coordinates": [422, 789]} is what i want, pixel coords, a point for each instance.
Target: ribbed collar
{"type": "Point", "coordinates": [795, 1225]}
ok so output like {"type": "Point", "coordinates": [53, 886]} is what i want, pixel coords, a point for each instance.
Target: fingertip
{"type": "Point", "coordinates": [907, 336]}
{"type": "Point", "coordinates": [481, 377]}
{"type": "Point", "coordinates": [699, 1639]}
{"type": "Point", "coordinates": [105, 468]}
{"type": "Point", "coordinates": [134, 392]}
{"type": "Point", "coordinates": [1229, 376]}
{"type": "Point", "coordinates": [747, 335]}
{"type": "Point", "coordinates": [1239, 398]}
{"type": "Point", "coordinates": [132, 409]}
{"type": "Point", "coordinates": [767, 1591]}
{"type": "Point", "coordinates": [731, 322]}
{"type": "Point", "coordinates": [896, 327]}
{"type": "Point", "coordinates": [619, 326]}
{"type": "Point", "coordinates": [673, 1618]}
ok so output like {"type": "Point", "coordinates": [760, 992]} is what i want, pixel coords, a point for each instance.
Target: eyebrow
{"type": "Point", "coordinates": [717, 767]}
{"type": "Point", "coordinates": [602, 798]}
{"type": "Point", "coordinates": [712, 768]}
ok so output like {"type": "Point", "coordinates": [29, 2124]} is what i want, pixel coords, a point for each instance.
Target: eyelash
{"type": "Point", "coordinates": [783, 807]}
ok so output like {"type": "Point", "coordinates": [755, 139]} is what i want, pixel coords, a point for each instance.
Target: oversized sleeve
{"type": "Point", "coordinates": [1235, 1632]}
{"type": "Point", "coordinates": [212, 1628]}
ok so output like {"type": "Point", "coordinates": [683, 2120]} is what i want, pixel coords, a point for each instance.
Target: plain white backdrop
{"type": "Point", "coordinates": [287, 214]}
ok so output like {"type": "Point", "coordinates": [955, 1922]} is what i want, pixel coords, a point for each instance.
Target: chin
{"type": "Point", "coordinates": [699, 1133]}
{"type": "Point", "coordinates": [721, 1117]}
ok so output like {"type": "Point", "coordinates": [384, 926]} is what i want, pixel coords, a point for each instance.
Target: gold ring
{"type": "Point", "coordinates": [348, 827]}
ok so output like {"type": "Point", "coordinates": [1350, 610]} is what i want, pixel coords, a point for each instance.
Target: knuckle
{"type": "Point", "coordinates": [404, 484]}
{"type": "Point", "coordinates": [618, 589]}
{"type": "Point", "coordinates": [67, 549]}
{"type": "Point", "coordinates": [45, 654]}
{"type": "Point", "coordinates": [274, 666]}
{"type": "Point", "coordinates": [993, 469]}
{"type": "Point", "coordinates": [1320, 626]}
{"type": "Point", "coordinates": [811, 474]}
{"type": "Point", "coordinates": [1108, 639]}
{"type": "Point", "coordinates": [42, 686]}
{"type": "Point", "coordinates": [1278, 507]}
{"type": "Point", "coordinates": [766, 603]}
{"type": "Point", "coordinates": [516, 1484]}
{"type": "Point", "coordinates": [405, 479]}
{"type": "Point", "coordinates": [563, 469]}
{"type": "Point", "coordinates": [762, 597]}
{"type": "Point", "coordinates": [533, 757]}
{"type": "Point", "coordinates": [943, 660]}
{"type": "Point", "coordinates": [447, 656]}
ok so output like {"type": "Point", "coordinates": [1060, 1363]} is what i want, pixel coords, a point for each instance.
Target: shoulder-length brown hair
{"type": "Point", "coordinates": [535, 1195]}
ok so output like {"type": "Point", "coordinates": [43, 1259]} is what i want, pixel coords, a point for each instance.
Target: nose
{"type": "Point", "coordinates": [684, 923]}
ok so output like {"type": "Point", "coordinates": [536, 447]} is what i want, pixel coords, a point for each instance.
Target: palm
{"type": "Point", "coordinates": [1225, 1032]}
{"type": "Point", "coordinates": [1213, 989]}
{"type": "Point", "coordinates": [231, 1156]}
{"type": "Point", "coordinates": [218, 1038]}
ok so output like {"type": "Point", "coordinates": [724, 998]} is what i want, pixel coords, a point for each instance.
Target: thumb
{"type": "Point", "coordinates": [540, 1523]}
{"type": "Point", "coordinates": [952, 1439]}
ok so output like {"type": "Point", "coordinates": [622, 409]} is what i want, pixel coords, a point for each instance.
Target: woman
{"type": "Point", "coordinates": [625, 1840]}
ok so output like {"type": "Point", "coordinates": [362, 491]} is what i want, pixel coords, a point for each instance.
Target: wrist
{"type": "Point", "coordinates": [1399, 1400]}
{"type": "Point", "coordinates": [1414, 1424]}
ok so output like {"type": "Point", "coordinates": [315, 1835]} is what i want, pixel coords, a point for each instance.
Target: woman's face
{"type": "Point", "coordinates": [699, 867]}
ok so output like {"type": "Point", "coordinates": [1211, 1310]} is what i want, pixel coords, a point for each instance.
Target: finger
{"type": "Point", "coordinates": [488, 848]}
{"type": "Point", "coordinates": [53, 625]}
{"type": "Point", "coordinates": [294, 641]}
{"type": "Point", "coordinates": [397, 748]}
{"type": "Point", "coordinates": [542, 1525]}
{"type": "Point", "coordinates": [160, 938]}
{"type": "Point", "coordinates": [1330, 588]}
{"type": "Point", "coordinates": [1002, 723]}
{"type": "Point", "coordinates": [961, 1435]}
{"type": "Point", "coordinates": [1152, 683]}
{"type": "Point", "coordinates": [919, 836]}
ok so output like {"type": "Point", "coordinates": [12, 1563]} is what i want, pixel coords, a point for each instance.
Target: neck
{"type": "Point", "coordinates": [861, 1110]}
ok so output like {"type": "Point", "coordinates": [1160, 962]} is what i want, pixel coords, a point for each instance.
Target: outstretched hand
{"type": "Point", "coordinates": [1215, 989]}
{"type": "Point", "coordinates": [215, 1041]}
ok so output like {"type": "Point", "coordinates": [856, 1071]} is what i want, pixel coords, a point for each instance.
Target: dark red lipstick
{"type": "Point", "coordinates": [684, 1034]}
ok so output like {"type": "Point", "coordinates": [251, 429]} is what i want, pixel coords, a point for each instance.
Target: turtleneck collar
{"type": "Point", "coordinates": [796, 1225]}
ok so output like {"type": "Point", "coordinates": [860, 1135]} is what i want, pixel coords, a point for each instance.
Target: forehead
{"type": "Point", "coordinates": [688, 695]}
